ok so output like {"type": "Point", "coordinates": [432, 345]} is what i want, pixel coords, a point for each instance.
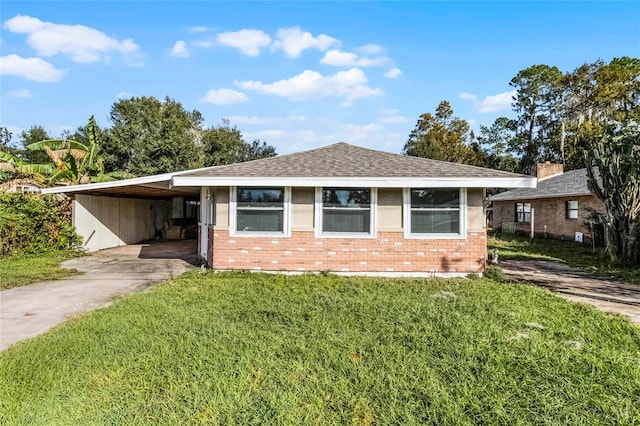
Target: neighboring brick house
{"type": "Point", "coordinates": [561, 204]}
{"type": "Point", "coordinates": [338, 208]}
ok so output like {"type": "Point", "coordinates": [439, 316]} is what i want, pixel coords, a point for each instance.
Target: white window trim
{"type": "Point", "coordinates": [567, 210]}
{"type": "Point", "coordinates": [406, 213]}
{"type": "Point", "coordinates": [318, 217]}
{"type": "Point", "coordinates": [233, 218]}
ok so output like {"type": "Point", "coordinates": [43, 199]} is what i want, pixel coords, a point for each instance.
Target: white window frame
{"type": "Point", "coordinates": [568, 210]}
{"type": "Point", "coordinates": [373, 223]}
{"type": "Point", "coordinates": [524, 212]}
{"type": "Point", "coordinates": [406, 213]}
{"type": "Point", "coordinates": [233, 215]}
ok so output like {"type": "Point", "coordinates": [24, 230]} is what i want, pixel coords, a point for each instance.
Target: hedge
{"type": "Point", "coordinates": [31, 223]}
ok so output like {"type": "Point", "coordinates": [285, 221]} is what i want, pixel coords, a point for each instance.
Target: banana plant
{"type": "Point", "coordinates": [76, 162]}
{"type": "Point", "coordinates": [10, 165]}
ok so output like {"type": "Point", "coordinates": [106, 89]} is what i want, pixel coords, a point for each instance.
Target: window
{"type": "Point", "coordinates": [571, 210]}
{"type": "Point", "coordinates": [523, 212]}
{"type": "Point", "coordinates": [346, 210]}
{"type": "Point", "coordinates": [434, 211]}
{"type": "Point", "coordinates": [260, 210]}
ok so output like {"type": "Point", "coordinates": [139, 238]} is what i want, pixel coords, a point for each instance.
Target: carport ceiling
{"type": "Point", "coordinates": [153, 191]}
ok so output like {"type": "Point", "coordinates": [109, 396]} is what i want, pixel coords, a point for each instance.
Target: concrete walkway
{"type": "Point", "coordinates": [607, 294]}
{"type": "Point", "coordinates": [33, 309]}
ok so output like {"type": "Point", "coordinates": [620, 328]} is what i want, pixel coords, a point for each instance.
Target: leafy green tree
{"type": "Point", "coordinates": [150, 136]}
{"type": "Point", "coordinates": [441, 137]}
{"type": "Point", "coordinates": [27, 137]}
{"type": "Point", "coordinates": [595, 94]}
{"type": "Point", "coordinates": [497, 141]}
{"type": "Point", "coordinates": [5, 141]}
{"type": "Point", "coordinates": [537, 103]}
{"type": "Point", "coordinates": [225, 145]}
{"type": "Point", "coordinates": [613, 169]}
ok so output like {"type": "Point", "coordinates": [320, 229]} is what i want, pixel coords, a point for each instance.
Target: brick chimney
{"type": "Point", "coordinates": [548, 169]}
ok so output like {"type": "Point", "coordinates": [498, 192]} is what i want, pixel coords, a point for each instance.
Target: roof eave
{"type": "Point", "coordinates": [378, 182]}
{"type": "Point", "coordinates": [537, 197]}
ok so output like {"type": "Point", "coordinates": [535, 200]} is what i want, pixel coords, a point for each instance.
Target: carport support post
{"type": "Point", "coordinates": [533, 224]}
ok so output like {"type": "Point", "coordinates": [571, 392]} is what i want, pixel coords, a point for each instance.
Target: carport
{"type": "Point", "coordinates": [113, 214]}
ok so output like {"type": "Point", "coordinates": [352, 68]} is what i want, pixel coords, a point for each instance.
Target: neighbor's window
{"type": "Point", "coordinates": [434, 211]}
{"type": "Point", "coordinates": [571, 210]}
{"type": "Point", "coordinates": [523, 212]}
{"type": "Point", "coordinates": [259, 209]}
{"type": "Point", "coordinates": [346, 210]}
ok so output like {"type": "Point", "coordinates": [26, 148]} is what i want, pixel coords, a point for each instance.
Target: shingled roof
{"type": "Point", "coordinates": [348, 161]}
{"type": "Point", "coordinates": [568, 184]}
{"type": "Point", "coordinates": [340, 164]}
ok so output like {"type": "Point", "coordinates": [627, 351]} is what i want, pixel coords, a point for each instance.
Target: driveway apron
{"type": "Point", "coordinates": [33, 309]}
{"type": "Point", "coordinates": [606, 294]}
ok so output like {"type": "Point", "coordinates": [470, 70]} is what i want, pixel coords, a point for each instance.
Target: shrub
{"type": "Point", "coordinates": [35, 224]}
{"type": "Point", "coordinates": [495, 273]}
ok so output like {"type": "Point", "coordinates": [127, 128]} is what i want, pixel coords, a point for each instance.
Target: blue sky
{"type": "Point", "coordinates": [296, 75]}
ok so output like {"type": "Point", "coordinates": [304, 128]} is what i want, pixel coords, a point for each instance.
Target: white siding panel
{"type": "Point", "coordinates": [105, 222]}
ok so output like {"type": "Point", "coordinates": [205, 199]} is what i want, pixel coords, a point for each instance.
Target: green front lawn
{"type": "Point", "coordinates": [264, 349]}
{"type": "Point", "coordinates": [569, 252]}
{"type": "Point", "coordinates": [21, 270]}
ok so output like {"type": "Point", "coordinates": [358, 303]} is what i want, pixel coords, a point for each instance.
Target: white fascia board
{"type": "Point", "coordinates": [377, 182]}
{"type": "Point", "coordinates": [119, 183]}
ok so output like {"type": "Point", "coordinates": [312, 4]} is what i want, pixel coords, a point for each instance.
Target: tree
{"type": "Point", "coordinates": [441, 137]}
{"type": "Point", "coordinates": [497, 141]}
{"type": "Point", "coordinates": [595, 94]}
{"type": "Point", "coordinates": [5, 141]}
{"type": "Point", "coordinates": [27, 137]}
{"type": "Point", "coordinates": [151, 136]}
{"type": "Point", "coordinates": [613, 169]}
{"type": "Point", "coordinates": [75, 162]}
{"type": "Point", "coordinates": [537, 102]}
{"type": "Point", "coordinates": [225, 145]}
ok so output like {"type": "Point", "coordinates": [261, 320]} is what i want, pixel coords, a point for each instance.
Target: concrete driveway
{"type": "Point", "coordinates": [31, 310]}
{"type": "Point", "coordinates": [606, 294]}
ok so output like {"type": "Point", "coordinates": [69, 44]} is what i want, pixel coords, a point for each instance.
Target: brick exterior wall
{"type": "Point", "coordinates": [390, 252]}
{"type": "Point", "coordinates": [549, 212]}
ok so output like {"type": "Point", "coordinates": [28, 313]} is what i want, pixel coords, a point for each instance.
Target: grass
{"type": "Point", "coordinates": [569, 252]}
{"type": "Point", "coordinates": [19, 270]}
{"type": "Point", "coordinates": [262, 349]}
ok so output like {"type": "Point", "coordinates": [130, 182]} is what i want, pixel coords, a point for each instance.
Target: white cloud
{"type": "Point", "coordinates": [248, 42]}
{"type": "Point", "coordinates": [393, 73]}
{"type": "Point", "coordinates": [35, 69]}
{"type": "Point", "coordinates": [83, 44]}
{"type": "Point", "coordinates": [370, 49]}
{"type": "Point", "coordinates": [180, 49]}
{"type": "Point", "coordinates": [224, 97]}
{"type": "Point", "coordinates": [201, 43]}
{"type": "Point", "coordinates": [350, 84]}
{"type": "Point", "coordinates": [22, 93]}
{"type": "Point", "coordinates": [497, 102]}
{"type": "Point", "coordinates": [354, 133]}
{"type": "Point", "coordinates": [123, 95]}
{"type": "Point", "coordinates": [392, 119]}
{"type": "Point", "coordinates": [490, 103]}
{"type": "Point", "coordinates": [293, 41]}
{"type": "Point", "coordinates": [339, 58]}
{"type": "Point", "coordinates": [198, 29]}
{"type": "Point", "coordinates": [294, 116]}
{"type": "Point", "coordinates": [385, 111]}
{"type": "Point", "coordinates": [240, 119]}
{"type": "Point", "coordinates": [467, 96]}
